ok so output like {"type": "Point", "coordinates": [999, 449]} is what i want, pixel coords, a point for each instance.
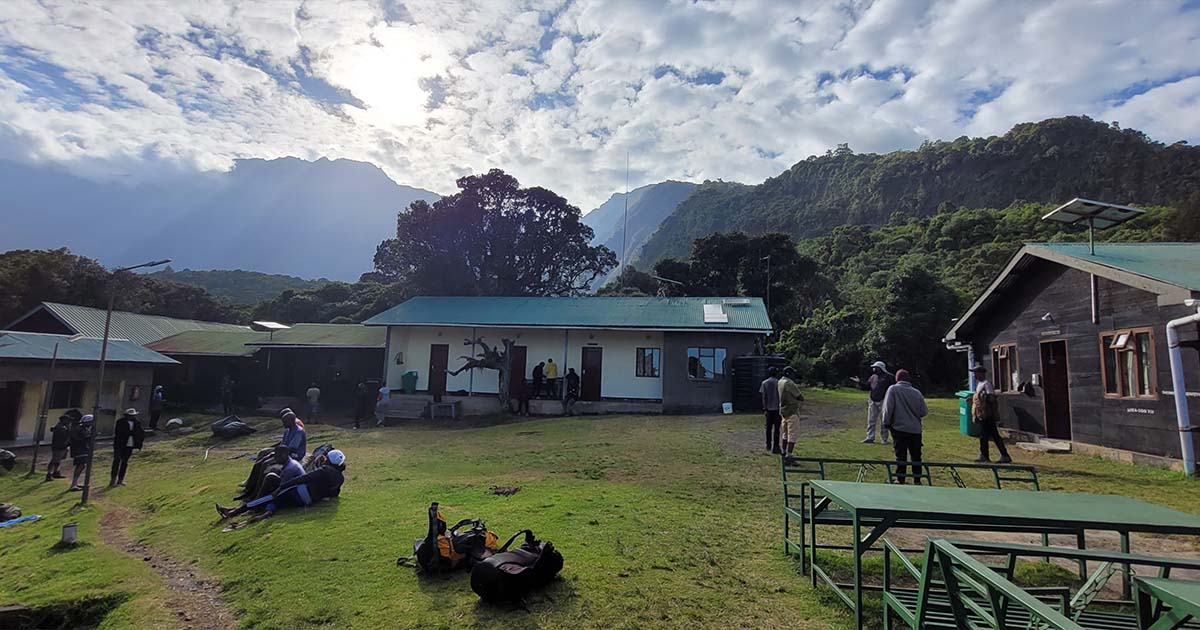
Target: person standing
{"type": "Point", "coordinates": [789, 411]}
{"type": "Point", "coordinates": [520, 393]}
{"type": "Point", "coordinates": [156, 406]}
{"type": "Point", "coordinates": [80, 447]}
{"type": "Point", "coordinates": [60, 441]}
{"type": "Point", "coordinates": [539, 378]}
{"type": "Point", "coordinates": [877, 385]}
{"type": "Point", "coordinates": [985, 411]}
{"type": "Point", "coordinates": [313, 394]}
{"type": "Point", "coordinates": [227, 395]}
{"type": "Point", "coordinates": [382, 399]}
{"type": "Point", "coordinates": [552, 378]}
{"type": "Point", "coordinates": [363, 397]}
{"type": "Point", "coordinates": [128, 436]}
{"type": "Point", "coordinates": [572, 394]}
{"type": "Point", "coordinates": [769, 390]}
{"type": "Point", "coordinates": [903, 408]}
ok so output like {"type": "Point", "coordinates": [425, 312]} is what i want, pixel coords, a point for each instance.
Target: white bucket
{"type": "Point", "coordinates": [70, 533]}
{"type": "Point", "coordinates": [727, 408]}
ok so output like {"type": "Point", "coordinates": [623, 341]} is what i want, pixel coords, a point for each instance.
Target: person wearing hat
{"type": "Point", "coordinates": [789, 411]}
{"type": "Point", "coordinates": [323, 483]}
{"type": "Point", "coordinates": [984, 410]}
{"type": "Point", "coordinates": [877, 385]}
{"type": "Point", "coordinates": [81, 443]}
{"type": "Point", "coordinates": [128, 436]}
{"type": "Point", "coordinates": [903, 408]}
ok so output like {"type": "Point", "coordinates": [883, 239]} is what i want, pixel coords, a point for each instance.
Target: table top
{"type": "Point", "coordinates": [1090, 511]}
{"type": "Point", "coordinates": [1181, 591]}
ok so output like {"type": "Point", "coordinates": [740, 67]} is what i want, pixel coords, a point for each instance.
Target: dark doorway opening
{"type": "Point", "coordinates": [439, 360]}
{"type": "Point", "coordinates": [516, 369]}
{"type": "Point", "coordinates": [10, 408]}
{"type": "Point", "coordinates": [1056, 395]}
{"type": "Point", "coordinates": [589, 381]}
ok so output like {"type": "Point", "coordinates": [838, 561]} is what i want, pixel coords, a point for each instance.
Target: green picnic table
{"type": "Point", "coordinates": [885, 506]}
{"type": "Point", "coordinates": [1182, 597]}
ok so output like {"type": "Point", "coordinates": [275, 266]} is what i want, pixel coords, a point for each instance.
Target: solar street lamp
{"type": "Point", "coordinates": [112, 297]}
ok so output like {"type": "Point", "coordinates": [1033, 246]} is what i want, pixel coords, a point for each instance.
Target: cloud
{"type": "Point", "coordinates": [558, 92]}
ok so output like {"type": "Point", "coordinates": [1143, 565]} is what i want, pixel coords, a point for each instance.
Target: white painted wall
{"type": "Point", "coordinates": [618, 378]}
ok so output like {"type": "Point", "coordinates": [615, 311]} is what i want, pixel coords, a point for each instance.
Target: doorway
{"type": "Point", "coordinates": [589, 381]}
{"type": "Point", "coordinates": [10, 408]}
{"type": "Point", "coordinates": [439, 360]}
{"type": "Point", "coordinates": [1056, 396]}
{"type": "Point", "coordinates": [516, 369]}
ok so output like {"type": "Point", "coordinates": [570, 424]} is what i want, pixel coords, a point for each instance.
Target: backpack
{"type": "Point", "coordinates": [230, 427]}
{"type": "Point", "coordinates": [985, 407]}
{"type": "Point", "coordinates": [447, 549]}
{"type": "Point", "coordinates": [507, 576]}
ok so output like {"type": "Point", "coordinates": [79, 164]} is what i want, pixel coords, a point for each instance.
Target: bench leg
{"type": "Point", "coordinates": [1081, 542]}
{"type": "Point", "coordinates": [1126, 571]}
{"type": "Point", "coordinates": [812, 538]}
{"type": "Point", "coordinates": [858, 549]}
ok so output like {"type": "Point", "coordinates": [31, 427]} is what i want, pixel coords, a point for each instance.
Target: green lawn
{"type": "Point", "coordinates": [663, 521]}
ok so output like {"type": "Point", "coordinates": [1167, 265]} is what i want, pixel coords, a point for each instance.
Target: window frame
{"type": "Point", "coordinates": [639, 358]}
{"type": "Point", "coordinates": [719, 371]}
{"type": "Point", "coordinates": [1010, 354]}
{"type": "Point", "coordinates": [74, 394]}
{"type": "Point", "coordinates": [1130, 346]}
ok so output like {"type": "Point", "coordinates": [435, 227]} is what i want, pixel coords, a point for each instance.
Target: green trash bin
{"type": "Point", "coordinates": [408, 382]}
{"type": "Point", "coordinates": [966, 424]}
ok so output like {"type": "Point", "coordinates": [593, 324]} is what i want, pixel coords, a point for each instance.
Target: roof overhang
{"type": "Point", "coordinates": [1167, 293]}
{"type": "Point", "coordinates": [755, 331]}
{"type": "Point", "coordinates": [315, 346]}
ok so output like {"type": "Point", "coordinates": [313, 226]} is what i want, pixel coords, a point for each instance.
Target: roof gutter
{"type": "Point", "coordinates": [1186, 444]}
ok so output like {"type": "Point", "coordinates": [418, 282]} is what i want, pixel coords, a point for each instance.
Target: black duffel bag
{"type": "Point", "coordinates": [507, 576]}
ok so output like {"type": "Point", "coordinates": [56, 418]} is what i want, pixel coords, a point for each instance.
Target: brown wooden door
{"type": "Point", "coordinates": [439, 360]}
{"type": "Point", "coordinates": [1056, 390]}
{"type": "Point", "coordinates": [10, 408]}
{"type": "Point", "coordinates": [589, 381]}
{"type": "Point", "coordinates": [516, 370]}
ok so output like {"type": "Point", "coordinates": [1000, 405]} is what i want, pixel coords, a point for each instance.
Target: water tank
{"type": "Point", "coordinates": [748, 375]}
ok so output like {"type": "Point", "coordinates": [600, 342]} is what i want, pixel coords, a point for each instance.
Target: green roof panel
{"type": "Point", "coordinates": [1173, 263]}
{"type": "Point", "coordinates": [325, 335]}
{"type": "Point", "coordinates": [40, 346]}
{"type": "Point", "coordinates": [649, 313]}
{"type": "Point", "coordinates": [140, 329]}
{"type": "Point", "coordinates": [227, 343]}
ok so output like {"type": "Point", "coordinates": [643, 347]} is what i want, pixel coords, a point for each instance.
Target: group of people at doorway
{"type": "Point", "coordinates": [895, 409]}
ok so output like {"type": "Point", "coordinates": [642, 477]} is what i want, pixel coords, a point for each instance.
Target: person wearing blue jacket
{"type": "Point", "coordinates": [294, 437]}
{"type": "Point", "coordinates": [323, 483]}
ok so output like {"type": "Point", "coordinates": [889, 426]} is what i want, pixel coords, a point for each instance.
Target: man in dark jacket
{"type": "Point", "coordinates": [877, 384]}
{"type": "Point", "coordinates": [80, 440]}
{"type": "Point", "coordinates": [303, 491]}
{"type": "Point", "coordinates": [60, 440]}
{"type": "Point", "coordinates": [128, 436]}
{"type": "Point", "coordinates": [539, 376]}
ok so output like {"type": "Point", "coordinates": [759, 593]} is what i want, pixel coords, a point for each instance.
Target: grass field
{"type": "Point", "coordinates": [663, 521]}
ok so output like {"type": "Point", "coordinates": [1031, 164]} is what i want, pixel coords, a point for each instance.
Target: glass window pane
{"type": "Point", "coordinates": [720, 361]}
{"type": "Point", "coordinates": [1127, 372]}
{"type": "Point", "coordinates": [1110, 365]}
{"type": "Point", "coordinates": [655, 357]}
{"type": "Point", "coordinates": [694, 362]}
{"type": "Point", "coordinates": [1144, 363]}
{"type": "Point", "coordinates": [1014, 372]}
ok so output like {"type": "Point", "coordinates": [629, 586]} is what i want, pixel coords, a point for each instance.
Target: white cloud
{"type": "Point", "coordinates": [557, 93]}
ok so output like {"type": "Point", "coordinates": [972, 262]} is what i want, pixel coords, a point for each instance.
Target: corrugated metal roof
{"type": "Point", "coordinates": [40, 346]}
{"type": "Point", "coordinates": [229, 343]}
{"type": "Point", "coordinates": [653, 313]}
{"type": "Point", "coordinates": [140, 329]}
{"type": "Point", "coordinates": [326, 335]}
{"type": "Point", "coordinates": [1173, 263]}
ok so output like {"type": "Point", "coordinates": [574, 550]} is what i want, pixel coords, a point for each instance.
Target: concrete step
{"type": "Point", "coordinates": [407, 408]}
{"type": "Point", "coordinates": [1044, 445]}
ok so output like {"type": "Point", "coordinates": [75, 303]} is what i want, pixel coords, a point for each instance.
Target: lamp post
{"type": "Point", "coordinates": [112, 297]}
{"type": "Point", "coordinates": [767, 258]}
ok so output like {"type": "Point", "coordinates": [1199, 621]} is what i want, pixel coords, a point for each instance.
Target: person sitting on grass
{"type": "Point", "coordinates": [303, 491]}
{"type": "Point", "coordinates": [277, 474]}
{"type": "Point", "coordinates": [294, 438]}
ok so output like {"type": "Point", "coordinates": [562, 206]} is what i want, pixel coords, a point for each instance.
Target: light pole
{"type": "Point", "coordinates": [112, 297]}
{"type": "Point", "coordinates": [768, 259]}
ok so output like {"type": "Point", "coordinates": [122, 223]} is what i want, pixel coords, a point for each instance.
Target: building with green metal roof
{"type": "Point", "coordinates": [62, 372]}
{"type": "Point", "coordinates": [1075, 343]}
{"type": "Point", "coordinates": [69, 319]}
{"type": "Point", "coordinates": [674, 354]}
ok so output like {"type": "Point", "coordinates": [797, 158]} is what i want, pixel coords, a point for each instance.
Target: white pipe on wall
{"type": "Point", "coordinates": [1177, 384]}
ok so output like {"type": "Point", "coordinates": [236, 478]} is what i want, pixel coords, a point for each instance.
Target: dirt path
{"type": "Point", "coordinates": [195, 599]}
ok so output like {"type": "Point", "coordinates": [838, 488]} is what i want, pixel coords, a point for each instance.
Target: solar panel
{"type": "Point", "coordinates": [714, 314]}
{"type": "Point", "coordinates": [1101, 215]}
{"type": "Point", "coordinates": [268, 326]}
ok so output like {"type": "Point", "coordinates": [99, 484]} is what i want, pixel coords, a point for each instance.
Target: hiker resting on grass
{"type": "Point", "coordinates": [294, 438]}
{"type": "Point", "coordinates": [303, 491]}
{"type": "Point", "coordinates": [276, 474]}
{"type": "Point", "coordinates": [903, 408]}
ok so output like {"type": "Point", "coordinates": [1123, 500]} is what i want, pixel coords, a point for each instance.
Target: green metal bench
{"type": "Point", "coordinates": [798, 471]}
{"type": "Point", "coordinates": [955, 589]}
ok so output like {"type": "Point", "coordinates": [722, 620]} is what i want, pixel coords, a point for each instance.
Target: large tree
{"type": "Point", "coordinates": [493, 238]}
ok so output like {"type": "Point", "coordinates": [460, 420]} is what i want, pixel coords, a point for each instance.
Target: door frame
{"type": "Point", "coordinates": [514, 372]}
{"type": "Point", "coordinates": [18, 404]}
{"type": "Point", "coordinates": [443, 377]}
{"type": "Point", "coordinates": [1067, 369]}
{"type": "Point", "coordinates": [583, 372]}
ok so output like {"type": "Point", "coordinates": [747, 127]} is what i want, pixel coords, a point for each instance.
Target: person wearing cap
{"type": "Point", "coordinates": [294, 438]}
{"type": "Point", "coordinates": [60, 441]}
{"type": "Point", "coordinates": [323, 483]}
{"type": "Point", "coordinates": [877, 385]}
{"type": "Point", "coordinates": [903, 408]}
{"type": "Point", "coordinates": [984, 411]}
{"type": "Point", "coordinates": [789, 411]}
{"type": "Point", "coordinates": [128, 436]}
{"type": "Point", "coordinates": [81, 438]}
{"type": "Point", "coordinates": [769, 390]}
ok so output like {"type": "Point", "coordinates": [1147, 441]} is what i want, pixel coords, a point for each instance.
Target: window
{"type": "Point", "coordinates": [706, 364]}
{"type": "Point", "coordinates": [66, 394]}
{"type": "Point", "coordinates": [647, 362]}
{"type": "Point", "coordinates": [1004, 362]}
{"type": "Point", "coordinates": [1128, 366]}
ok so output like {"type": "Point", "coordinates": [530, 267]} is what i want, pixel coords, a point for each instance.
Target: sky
{"type": "Point", "coordinates": [561, 93]}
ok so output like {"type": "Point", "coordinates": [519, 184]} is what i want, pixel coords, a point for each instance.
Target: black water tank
{"type": "Point", "coordinates": [748, 375]}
